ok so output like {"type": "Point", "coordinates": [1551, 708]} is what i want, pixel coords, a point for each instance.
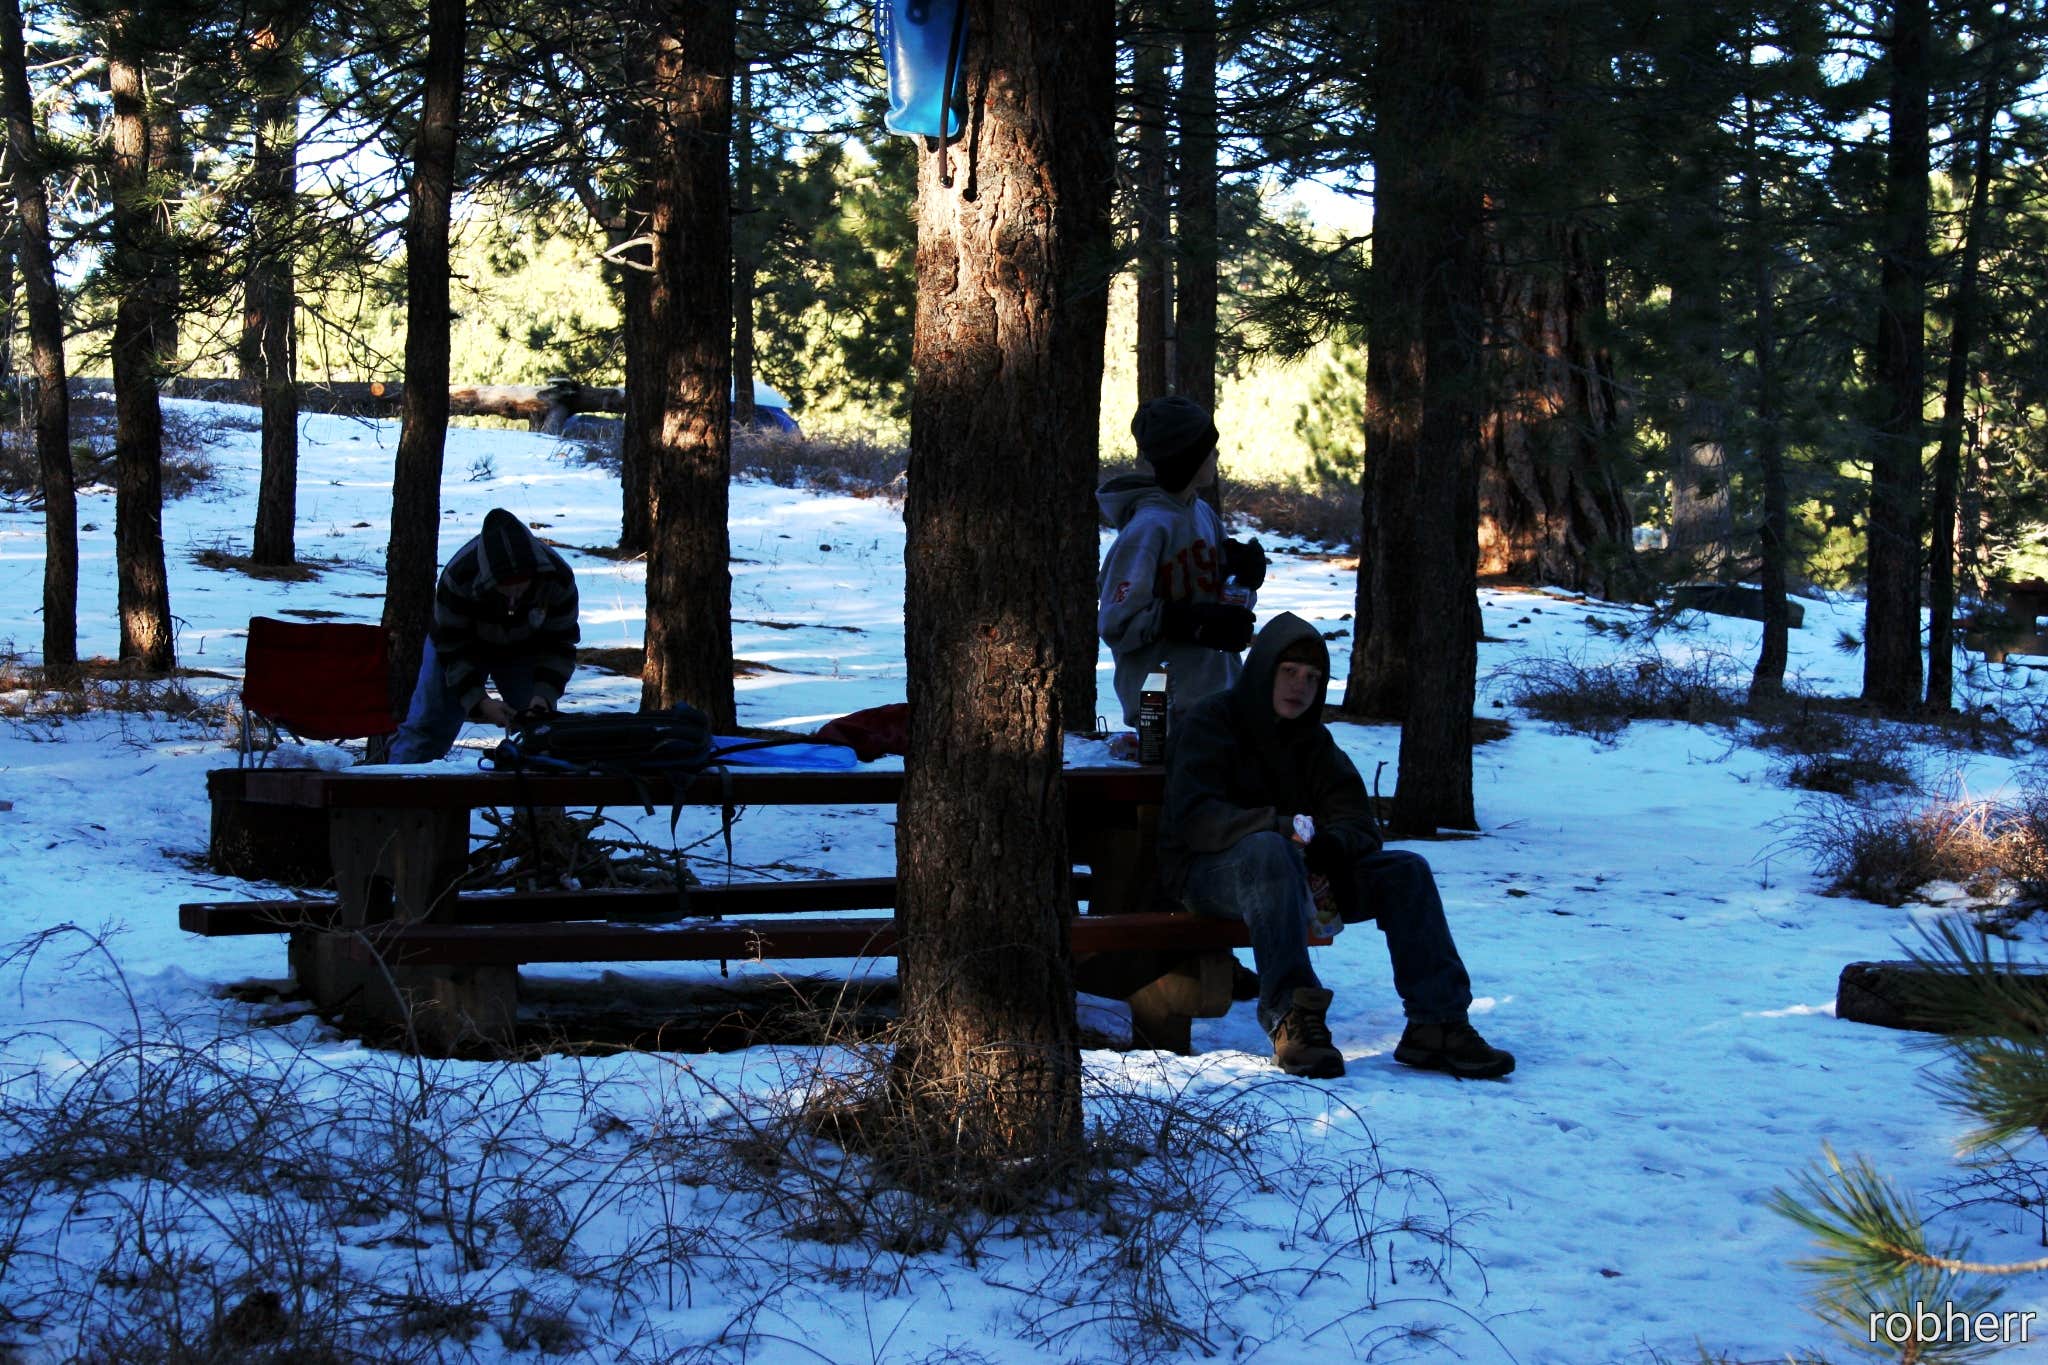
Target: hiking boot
{"type": "Point", "coordinates": [1301, 1043]}
{"type": "Point", "coordinates": [1456, 1048]}
{"type": "Point", "coordinates": [1244, 982]}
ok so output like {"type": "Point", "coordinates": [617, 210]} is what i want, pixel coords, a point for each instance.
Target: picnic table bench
{"type": "Point", "coordinates": [399, 947]}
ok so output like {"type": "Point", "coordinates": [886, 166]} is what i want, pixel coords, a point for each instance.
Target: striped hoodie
{"type": "Point", "coordinates": [476, 627]}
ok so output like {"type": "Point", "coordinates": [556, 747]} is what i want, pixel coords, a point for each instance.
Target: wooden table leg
{"type": "Point", "coordinates": [403, 865]}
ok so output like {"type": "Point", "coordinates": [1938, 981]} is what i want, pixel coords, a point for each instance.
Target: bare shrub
{"type": "Point", "coordinates": [849, 464]}
{"type": "Point", "coordinates": [1325, 513]}
{"type": "Point", "coordinates": [852, 464]}
{"type": "Point", "coordinates": [227, 560]}
{"type": "Point", "coordinates": [187, 467]}
{"type": "Point", "coordinates": [1602, 699]}
{"type": "Point", "coordinates": [1821, 748]}
{"type": "Point", "coordinates": [115, 686]}
{"type": "Point", "coordinates": [1887, 851]}
{"type": "Point", "coordinates": [1133, 1232]}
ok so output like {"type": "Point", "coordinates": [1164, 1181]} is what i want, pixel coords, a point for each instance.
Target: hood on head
{"type": "Point", "coordinates": [1121, 497]}
{"type": "Point", "coordinates": [509, 549]}
{"type": "Point", "coordinates": [1252, 695]}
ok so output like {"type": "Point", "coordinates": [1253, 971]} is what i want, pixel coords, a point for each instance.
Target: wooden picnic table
{"type": "Point", "coordinates": [399, 944]}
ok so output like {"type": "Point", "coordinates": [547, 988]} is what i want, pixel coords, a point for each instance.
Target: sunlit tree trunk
{"type": "Point", "coordinates": [1436, 57]}
{"type": "Point", "coordinates": [269, 315]}
{"type": "Point", "coordinates": [1891, 633]}
{"type": "Point", "coordinates": [1941, 572]}
{"type": "Point", "coordinates": [993, 1066]}
{"type": "Point", "coordinates": [1154, 207]}
{"type": "Point", "coordinates": [689, 583]}
{"type": "Point", "coordinates": [51, 414]}
{"type": "Point", "coordinates": [423, 411]}
{"type": "Point", "coordinates": [136, 261]}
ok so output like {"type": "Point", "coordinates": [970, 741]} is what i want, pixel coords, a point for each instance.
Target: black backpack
{"type": "Point", "coordinates": [671, 743]}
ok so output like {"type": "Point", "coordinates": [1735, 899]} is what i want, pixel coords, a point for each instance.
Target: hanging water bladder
{"type": "Point", "coordinates": [922, 42]}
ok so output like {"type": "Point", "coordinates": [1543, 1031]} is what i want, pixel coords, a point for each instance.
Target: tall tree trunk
{"type": "Point", "coordinates": [1891, 633]}
{"type": "Point", "coordinates": [1384, 609]}
{"type": "Point", "coordinates": [1702, 513]}
{"type": "Point", "coordinates": [746, 251]}
{"type": "Point", "coordinates": [269, 314]}
{"type": "Point", "coordinates": [1085, 167]}
{"type": "Point", "coordinates": [1154, 205]}
{"type": "Point", "coordinates": [1438, 54]}
{"type": "Point", "coordinates": [1194, 294]}
{"type": "Point", "coordinates": [1941, 573]}
{"type": "Point", "coordinates": [1774, 544]}
{"type": "Point", "coordinates": [169, 161]}
{"type": "Point", "coordinates": [641, 336]}
{"type": "Point", "coordinates": [689, 582]}
{"type": "Point", "coordinates": [137, 263]}
{"type": "Point", "coordinates": [51, 413]}
{"type": "Point", "coordinates": [9, 298]}
{"type": "Point", "coordinates": [423, 410]}
{"type": "Point", "coordinates": [981, 853]}
{"type": "Point", "coordinates": [1550, 507]}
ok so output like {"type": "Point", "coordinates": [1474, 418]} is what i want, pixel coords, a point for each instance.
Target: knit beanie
{"type": "Point", "coordinates": [1175, 434]}
{"type": "Point", "coordinates": [508, 547]}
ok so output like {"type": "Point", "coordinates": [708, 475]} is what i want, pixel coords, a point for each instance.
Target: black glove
{"type": "Point", "coordinates": [1211, 625]}
{"type": "Point", "coordinates": [1246, 562]}
{"type": "Point", "coordinates": [1327, 855]}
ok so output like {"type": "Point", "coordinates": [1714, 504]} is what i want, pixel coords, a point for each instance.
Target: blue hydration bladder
{"type": "Point", "coordinates": [922, 42]}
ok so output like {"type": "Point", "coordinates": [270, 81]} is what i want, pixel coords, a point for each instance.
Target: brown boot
{"type": "Point", "coordinates": [1301, 1043]}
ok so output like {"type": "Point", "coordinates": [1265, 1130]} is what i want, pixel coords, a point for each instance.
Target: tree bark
{"type": "Point", "coordinates": [689, 583]}
{"type": "Point", "coordinates": [1551, 510]}
{"type": "Point", "coordinates": [993, 1068]}
{"type": "Point", "coordinates": [1550, 507]}
{"type": "Point", "coordinates": [746, 254]}
{"type": "Point", "coordinates": [414, 549]}
{"type": "Point", "coordinates": [1195, 290]}
{"type": "Point", "coordinates": [641, 333]}
{"type": "Point", "coordinates": [136, 261]}
{"type": "Point", "coordinates": [51, 414]}
{"type": "Point", "coordinates": [1941, 572]}
{"type": "Point", "coordinates": [1154, 206]}
{"type": "Point", "coordinates": [1891, 633]}
{"type": "Point", "coordinates": [269, 316]}
{"type": "Point", "coordinates": [170, 162]}
{"type": "Point", "coordinates": [1437, 54]}
{"type": "Point", "coordinates": [1085, 167]}
{"type": "Point", "coordinates": [1774, 543]}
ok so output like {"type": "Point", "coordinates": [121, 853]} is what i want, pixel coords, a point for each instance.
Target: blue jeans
{"type": "Point", "coordinates": [435, 717]}
{"type": "Point", "coordinates": [1262, 880]}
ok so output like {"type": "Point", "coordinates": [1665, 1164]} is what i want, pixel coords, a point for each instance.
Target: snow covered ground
{"type": "Point", "coordinates": [1639, 929]}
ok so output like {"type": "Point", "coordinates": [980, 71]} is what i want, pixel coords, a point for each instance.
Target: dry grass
{"type": "Point", "coordinates": [1602, 699]}
{"type": "Point", "coordinates": [111, 685]}
{"type": "Point", "coordinates": [180, 1192]}
{"type": "Point", "coordinates": [228, 561]}
{"type": "Point", "coordinates": [1327, 514]}
{"type": "Point", "coordinates": [1889, 851]}
{"type": "Point", "coordinates": [187, 468]}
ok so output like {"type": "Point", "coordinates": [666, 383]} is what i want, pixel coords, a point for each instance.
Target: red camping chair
{"type": "Point", "coordinates": [317, 679]}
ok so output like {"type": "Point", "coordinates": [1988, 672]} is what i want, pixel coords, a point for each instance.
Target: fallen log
{"type": "Point", "coordinates": [1907, 995]}
{"type": "Point", "coordinates": [544, 407]}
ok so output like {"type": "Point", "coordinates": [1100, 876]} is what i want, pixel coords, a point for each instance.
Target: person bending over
{"type": "Point", "coordinates": [504, 614]}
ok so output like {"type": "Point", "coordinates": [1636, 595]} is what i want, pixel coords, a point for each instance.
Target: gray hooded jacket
{"type": "Point", "coordinates": [1235, 768]}
{"type": "Point", "coordinates": [1165, 551]}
